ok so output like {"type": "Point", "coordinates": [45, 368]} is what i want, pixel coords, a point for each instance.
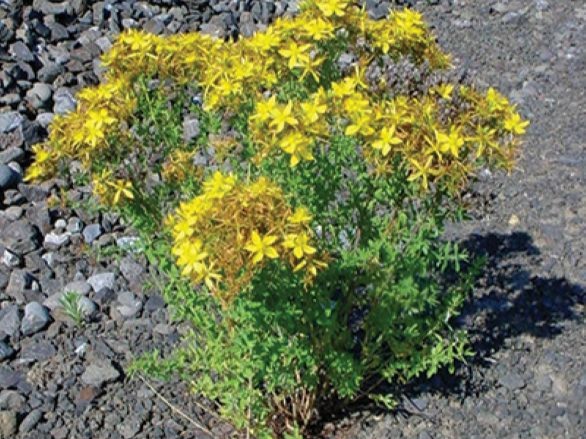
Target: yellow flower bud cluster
{"type": "Point", "coordinates": [233, 229]}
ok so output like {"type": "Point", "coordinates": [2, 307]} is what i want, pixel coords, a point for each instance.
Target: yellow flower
{"type": "Point", "coordinates": [263, 186]}
{"type": "Point", "coordinates": [41, 155]}
{"type": "Point", "coordinates": [342, 89]}
{"type": "Point", "coordinates": [34, 172]}
{"type": "Point", "coordinates": [219, 185]}
{"type": "Point", "coordinates": [298, 146]}
{"type": "Point", "coordinates": [264, 109]}
{"type": "Point", "coordinates": [94, 127]}
{"type": "Point", "coordinates": [409, 24]}
{"type": "Point", "coordinates": [264, 41]}
{"type": "Point", "coordinates": [190, 256]}
{"type": "Point", "coordinates": [261, 247]}
{"type": "Point", "coordinates": [311, 68]}
{"type": "Point", "coordinates": [357, 104]}
{"type": "Point", "coordinates": [445, 91]}
{"type": "Point", "coordinates": [207, 274]}
{"type": "Point", "coordinates": [332, 7]}
{"type": "Point", "coordinates": [450, 143]}
{"type": "Point", "coordinates": [183, 230]}
{"type": "Point", "coordinates": [361, 126]}
{"type": "Point", "coordinates": [123, 189]}
{"type": "Point", "coordinates": [228, 86]}
{"type": "Point", "coordinates": [495, 100]}
{"type": "Point", "coordinates": [387, 139]}
{"type": "Point", "coordinates": [299, 243]}
{"type": "Point", "coordinates": [312, 110]}
{"type": "Point", "coordinates": [300, 216]}
{"type": "Point", "coordinates": [485, 138]}
{"type": "Point", "coordinates": [311, 267]}
{"type": "Point", "coordinates": [281, 116]}
{"type": "Point", "coordinates": [296, 54]}
{"type": "Point", "coordinates": [421, 172]}
{"type": "Point", "coordinates": [514, 124]}
{"type": "Point", "coordinates": [319, 29]}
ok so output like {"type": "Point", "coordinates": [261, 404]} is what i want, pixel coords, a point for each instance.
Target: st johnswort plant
{"type": "Point", "coordinates": [300, 231]}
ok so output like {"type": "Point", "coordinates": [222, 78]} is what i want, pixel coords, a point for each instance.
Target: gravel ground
{"type": "Point", "coordinates": [59, 380]}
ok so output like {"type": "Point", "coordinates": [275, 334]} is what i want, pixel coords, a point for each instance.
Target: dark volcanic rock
{"type": "Point", "coordinates": [20, 237]}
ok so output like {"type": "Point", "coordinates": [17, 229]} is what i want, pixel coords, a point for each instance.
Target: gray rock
{"type": "Point", "coordinates": [10, 99]}
{"type": "Point", "coordinates": [21, 52]}
{"type": "Point", "coordinates": [102, 280]}
{"type": "Point", "coordinates": [20, 280]}
{"type": "Point", "coordinates": [45, 119]}
{"type": "Point", "coordinates": [54, 240]}
{"type": "Point", "coordinates": [89, 36]}
{"type": "Point", "coordinates": [88, 308]}
{"type": "Point", "coordinates": [130, 427]}
{"type": "Point", "coordinates": [163, 329]}
{"type": "Point", "coordinates": [104, 43]}
{"type": "Point", "coordinates": [6, 33]}
{"type": "Point", "coordinates": [10, 259]}
{"type": "Point", "coordinates": [10, 121]}
{"type": "Point", "coordinates": [51, 8]}
{"type": "Point", "coordinates": [64, 101]}
{"type": "Point", "coordinates": [132, 271]}
{"type": "Point", "coordinates": [154, 26]}
{"type": "Point", "coordinates": [80, 287]}
{"type": "Point", "coordinates": [40, 217]}
{"type": "Point", "coordinates": [10, 320]}
{"type": "Point", "coordinates": [37, 351]}
{"type": "Point", "coordinates": [191, 129]}
{"type": "Point", "coordinates": [74, 225]}
{"type": "Point", "coordinates": [247, 25]}
{"type": "Point", "coordinates": [8, 177]}
{"type": "Point", "coordinates": [512, 381]}
{"type": "Point", "coordinates": [33, 192]}
{"type": "Point", "coordinates": [11, 400]}
{"type": "Point", "coordinates": [6, 351]}
{"type": "Point", "coordinates": [40, 95]}
{"type": "Point", "coordinates": [214, 28]}
{"type": "Point", "coordinates": [20, 237]}
{"type": "Point", "coordinates": [13, 154]}
{"type": "Point", "coordinates": [105, 296]}
{"type": "Point", "coordinates": [9, 378]}
{"type": "Point", "coordinates": [36, 318]}
{"type": "Point", "coordinates": [30, 421]}
{"type": "Point", "coordinates": [130, 305]}
{"type": "Point", "coordinates": [92, 232]}
{"type": "Point", "coordinates": [8, 424]}
{"type": "Point", "coordinates": [49, 72]}
{"type": "Point", "coordinates": [154, 303]}
{"type": "Point", "coordinates": [58, 32]}
{"type": "Point", "coordinates": [53, 302]}
{"type": "Point", "coordinates": [379, 11]}
{"type": "Point", "coordinates": [16, 168]}
{"type": "Point", "coordinates": [100, 373]}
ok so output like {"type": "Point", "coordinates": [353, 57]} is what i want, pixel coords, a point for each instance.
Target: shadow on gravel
{"type": "Point", "coordinates": [508, 301]}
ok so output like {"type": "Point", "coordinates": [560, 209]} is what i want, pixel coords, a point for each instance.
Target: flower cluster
{"type": "Point", "coordinates": [88, 131]}
{"type": "Point", "coordinates": [440, 137]}
{"type": "Point", "coordinates": [234, 228]}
